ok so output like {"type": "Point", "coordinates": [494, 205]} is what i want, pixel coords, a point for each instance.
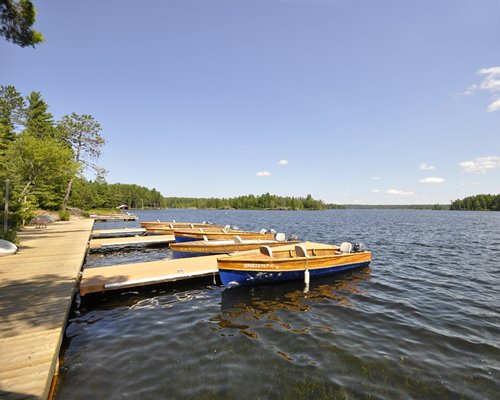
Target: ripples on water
{"type": "Point", "coordinates": [422, 322]}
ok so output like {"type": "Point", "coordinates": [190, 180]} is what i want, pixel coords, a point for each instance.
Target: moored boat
{"type": "Point", "coordinates": [169, 230]}
{"type": "Point", "coordinates": [203, 247]}
{"type": "Point", "coordinates": [175, 224]}
{"type": "Point", "coordinates": [302, 261]}
{"type": "Point", "coordinates": [187, 235]}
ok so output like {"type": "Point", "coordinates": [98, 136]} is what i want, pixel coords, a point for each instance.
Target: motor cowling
{"type": "Point", "coordinates": [358, 247]}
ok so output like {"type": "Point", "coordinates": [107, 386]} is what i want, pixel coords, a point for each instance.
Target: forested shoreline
{"type": "Point", "coordinates": [480, 202]}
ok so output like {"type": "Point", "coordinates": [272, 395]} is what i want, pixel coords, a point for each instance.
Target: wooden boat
{"type": "Point", "coordinates": [187, 235]}
{"type": "Point", "coordinates": [174, 223]}
{"type": "Point", "coordinates": [204, 247]}
{"type": "Point", "coordinates": [302, 261]}
{"type": "Point", "coordinates": [169, 229]}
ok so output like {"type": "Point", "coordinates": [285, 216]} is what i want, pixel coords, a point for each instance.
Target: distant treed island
{"type": "Point", "coordinates": [99, 194]}
{"type": "Point", "coordinates": [480, 202]}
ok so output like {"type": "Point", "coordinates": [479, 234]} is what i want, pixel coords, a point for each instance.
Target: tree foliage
{"type": "Point", "coordinates": [16, 21]}
{"type": "Point", "coordinates": [39, 170]}
{"type": "Point", "coordinates": [38, 121]}
{"type": "Point", "coordinates": [82, 133]}
{"type": "Point", "coordinates": [480, 202]}
{"type": "Point", "coordinates": [248, 202]}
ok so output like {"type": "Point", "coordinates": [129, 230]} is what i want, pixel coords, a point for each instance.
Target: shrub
{"type": "Point", "coordinates": [9, 235]}
{"type": "Point", "coordinates": [64, 215]}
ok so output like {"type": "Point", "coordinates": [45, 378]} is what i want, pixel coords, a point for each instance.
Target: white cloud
{"type": "Point", "coordinates": [376, 191]}
{"type": "Point", "coordinates": [495, 106]}
{"type": "Point", "coordinates": [491, 79]}
{"type": "Point", "coordinates": [396, 192]}
{"type": "Point", "coordinates": [481, 164]}
{"type": "Point", "coordinates": [426, 167]}
{"type": "Point", "coordinates": [263, 173]}
{"type": "Point", "coordinates": [431, 179]}
{"type": "Point", "coordinates": [283, 162]}
{"type": "Point", "coordinates": [490, 83]}
{"type": "Point", "coordinates": [470, 90]}
{"type": "Point", "coordinates": [376, 178]}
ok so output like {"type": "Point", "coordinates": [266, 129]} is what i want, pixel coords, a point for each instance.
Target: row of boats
{"type": "Point", "coordinates": [278, 259]}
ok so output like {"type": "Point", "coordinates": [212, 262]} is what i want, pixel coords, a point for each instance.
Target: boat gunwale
{"type": "Point", "coordinates": [274, 264]}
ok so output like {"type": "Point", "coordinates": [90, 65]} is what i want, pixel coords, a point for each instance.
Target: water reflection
{"type": "Point", "coordinates": [248, 310]}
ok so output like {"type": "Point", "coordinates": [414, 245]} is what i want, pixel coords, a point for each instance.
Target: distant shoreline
{"type": "Point", "coordinates": [440, 207]}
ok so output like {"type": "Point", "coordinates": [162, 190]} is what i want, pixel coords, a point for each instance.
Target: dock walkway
{"type": "Point", "coordinates": [36, 291]}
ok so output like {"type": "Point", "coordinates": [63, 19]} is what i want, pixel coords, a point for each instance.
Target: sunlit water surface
{"type": "Point", "coordinates": [422, 322]}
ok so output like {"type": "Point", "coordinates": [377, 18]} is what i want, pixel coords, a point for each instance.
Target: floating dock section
{"type": "Point", "coordinates": [114, 217]}
{"type": "Point", "coordinates": [118, 232]}
{"type": "Point", "coordinates": [117, 277]}
{"type": "Point", "coordinates": [103, 243]}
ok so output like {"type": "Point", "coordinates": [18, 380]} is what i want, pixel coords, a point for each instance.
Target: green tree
{"type": "Point", "coordinates": [16, 21]}
{"type": "Point", "coordinates": [38, 169]}
{"type": "Point", "coordinates": [11, 110]}
{"type": "Point", "coordinates": [82, 133]}
{"type": "Point", "coordinates": [38, 121]}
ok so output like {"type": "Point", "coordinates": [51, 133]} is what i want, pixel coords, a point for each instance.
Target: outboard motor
{"type": "Point", "coordinates": [280, 237]}
{"type": "Point", "coordinates": [293, 238]}
{"type": "Point", "coordinates": [272, 231]}
{"type": "Point", "coordinates": [235, 228]}
{"type": "Point", "coordinates": [358, 247]}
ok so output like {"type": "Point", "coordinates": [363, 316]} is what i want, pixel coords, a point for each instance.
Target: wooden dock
{"type": "Point", "coordinates": [118, 232]}
{"type": "Point", "coordinates": [130, 241]}
{"type": "Point", "coordinates": [104, 279]}
{"type": "Point", "coordinates": [121, 217]}
{"type": "Point", "coordinates": [36, 292]}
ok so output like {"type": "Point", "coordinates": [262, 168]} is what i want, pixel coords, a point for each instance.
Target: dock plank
{"type": "Point", "coordinates": [36, 291]}
{"type": "Point", "coordinates": [138, 274]}
{"type": "Point", "coordinates": [130, 241]}
{"type": "Point", "coordinates": [118, 232]}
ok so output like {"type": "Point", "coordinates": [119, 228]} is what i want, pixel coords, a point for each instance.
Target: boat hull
{"type": "Point", "coordinates": [190, 236]}
{"type": "Point", "coordinates": [222, 247]}
{"type": "Point", "coordinates": [232, 278]}
{"type": "Point", "coordinates": [286, 265]}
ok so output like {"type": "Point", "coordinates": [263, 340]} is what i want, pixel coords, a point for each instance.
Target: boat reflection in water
{"type": "Point", "coordinates": [252, 310]}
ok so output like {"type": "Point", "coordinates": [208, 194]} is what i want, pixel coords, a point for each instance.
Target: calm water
{"type": "Point", "coordinates": [423, 322]}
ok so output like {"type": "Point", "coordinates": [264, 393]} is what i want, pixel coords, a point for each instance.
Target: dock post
{"type": "Point", "coordinates": [6, 211]}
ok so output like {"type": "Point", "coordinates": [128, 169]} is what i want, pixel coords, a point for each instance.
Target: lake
{"type": "Point", "coordinates": [422, 322]}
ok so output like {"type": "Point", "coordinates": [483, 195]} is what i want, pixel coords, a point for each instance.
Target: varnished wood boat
{"type": "Point", "coordinates": [176, 224]}
{"type": "Point", "coordinates": [288, 263]}
{"type": "Point", "coordinates": [167, 228]}
{"type": "Point", "coordinates": [187, 235]}
{"type": "Point", "coordinates": [204, 247]}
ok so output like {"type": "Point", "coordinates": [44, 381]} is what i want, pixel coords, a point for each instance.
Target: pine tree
{"type": "Point", "coordinates": [39, 122]}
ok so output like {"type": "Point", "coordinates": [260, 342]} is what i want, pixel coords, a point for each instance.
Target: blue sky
{"type": "Point", "coordinates": [362, 101]}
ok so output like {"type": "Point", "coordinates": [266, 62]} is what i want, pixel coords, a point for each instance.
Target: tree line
{"type": "Point", "coordinates": [480, 202]}
{"type": "Point", "coordinates": [250, 202]}
{"type": "Point", "coordinates": [40, 158]}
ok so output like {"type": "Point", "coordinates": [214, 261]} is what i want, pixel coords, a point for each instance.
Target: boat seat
{"type": "Point", "coordinates": [280, 237]}
{"type": "Point", "coordinates": [266, 250]}
{"type": "Point", "coordinates": [192, 226]}
{"type": "Point", "coordinates": [224, 231]}
{"type": "Point", "coordinates": [201, 230]}
{"type": "Point", "coordinates": [300, 250]}
{"type": "Point", "coordinates": [205, 238]}
{"type": "Point", "coordinates": [237, 239]}
{"type": "Point", "coordinates": [345, 247]}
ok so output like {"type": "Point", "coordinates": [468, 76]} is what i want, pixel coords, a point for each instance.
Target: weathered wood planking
{"type": "Point", "coordinates": [139, 274]}
{"type": "Point", "coordinates": [130, 241]}
{"type": "Point", "coordinates": [36, 291]}
{"type": "Point", "coordinates": [118, 232]}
